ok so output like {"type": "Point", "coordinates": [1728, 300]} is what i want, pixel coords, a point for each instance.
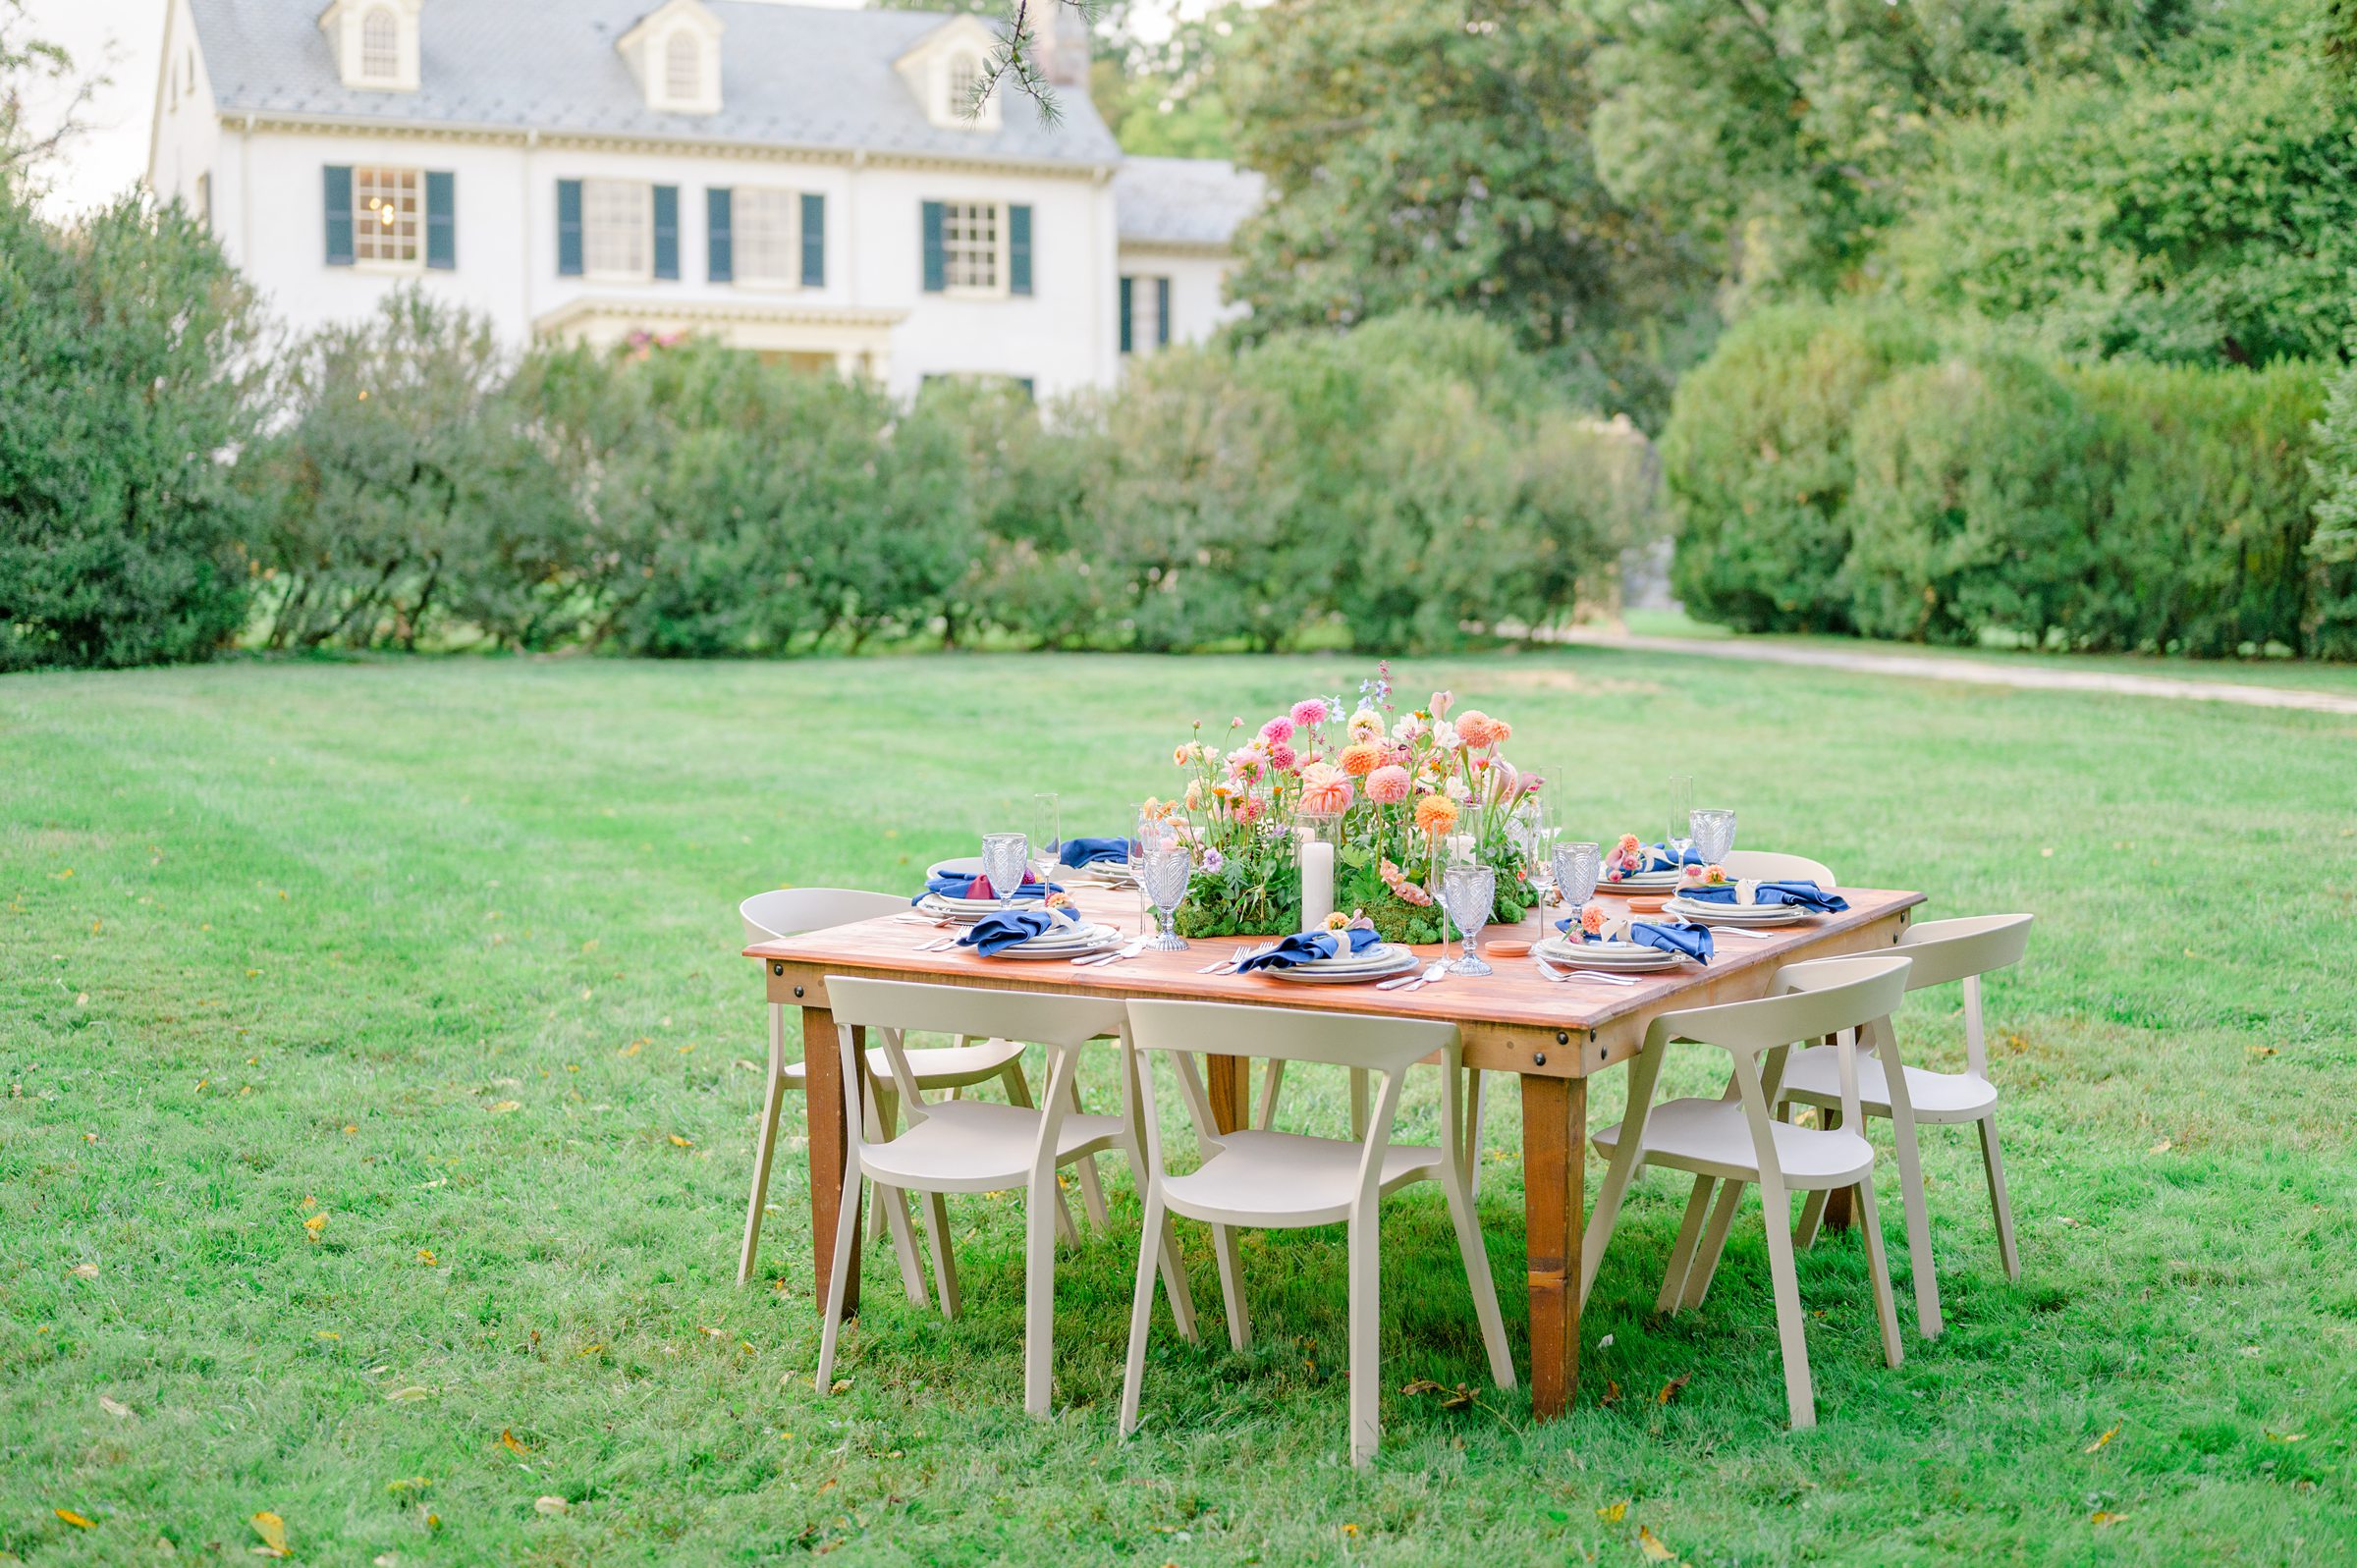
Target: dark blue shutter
{"type": "Point", "coordinates": [569, 227]}
{"type": "Point", "coordinates": [339, 215]}
{"type": "Point", "coordinates": [1128, 293]}
{"type": "Point", "coordinates": [937, 269]}
{"type": "Point", "coordinates": [1162, 312]}
{"type": "Point", "coordinates": [814, 242]}
{"type": "Point", "coordinates": [667, 231]}
{"type": "Point", "coordinates": [1030, 390]}
{"type": "Point", "coordinates": [720, 241]}
{"type": "Point", "coordinates": [1018, 249]}
{"type": "Point", "coordinates": [441, 220]}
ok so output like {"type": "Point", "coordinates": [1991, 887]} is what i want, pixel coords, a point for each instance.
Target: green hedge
{"type": "Point", "coordinates": [1987, 492]}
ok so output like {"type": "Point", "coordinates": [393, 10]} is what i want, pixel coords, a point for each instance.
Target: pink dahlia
{"type": "Point", "coordinates": [1388, 785]}
{"type": "Point", "coordinates": [1278, 729]}
{"type": "Point", "coordinates": [1283, 758]}
{"type": "Point", "coordinates": [1309, 711]}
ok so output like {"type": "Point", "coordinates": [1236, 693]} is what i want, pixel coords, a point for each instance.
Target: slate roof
{"type": "Point", "coordinates": [801, 76]}
{"type": "Point", "coordinates": [1184, 201]}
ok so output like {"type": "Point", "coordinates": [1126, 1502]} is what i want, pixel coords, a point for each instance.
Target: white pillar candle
{"type": "Point", "coordinates": [1461, 848]}
{"type": "Point", "coordinates": [1317, 884]}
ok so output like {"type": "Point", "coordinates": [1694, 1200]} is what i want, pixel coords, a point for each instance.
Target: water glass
{"type": "Point", "coordinates": [1714, 831]}
{"type": "Point", "coordinates": [1047, 834]}
{"type": "Point", "coordinates": [1681, 814]}
{"type": "Point", "coordinates": [1578, 867]}
{"type": "Point", "coordinates": [1005, 860]}
{"type": "Point", "coordinates": [1467, 891]}
{"type": "Point", "coordinates": [1167, 869]}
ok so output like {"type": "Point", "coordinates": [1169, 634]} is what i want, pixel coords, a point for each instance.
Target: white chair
{"type": "Point", "coordinates": [1766, 865]}
{"type": "Point", "coordinates": [1279, 1180]}
{"type": "Point", "coordinates": [791, 911]}
{"type": "Point", "coordinates": [1734, 1141]}
{"type": "Point", "coordinates": [1941, 952]}
{"type": "Point", "coordinates": [973, 1146]}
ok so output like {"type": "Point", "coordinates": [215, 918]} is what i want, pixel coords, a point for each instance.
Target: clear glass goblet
{"type": "Point", "coordinates": [1468, 888]}
{"type": "Point", "coordinates": [1714, 831]}
{"type": "Point", "coordinates": [1047, 834]}
{"type": "Point", "coordinates": [1681, 813]}
{"type": "Point", "coordinates": [1005, 858]}
{"type": "Point", "coordinates": [1578, 867]}
{"type": "Point", "coordinates": [1169, 866]}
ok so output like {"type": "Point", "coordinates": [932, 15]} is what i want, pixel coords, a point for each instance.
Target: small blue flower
{"type": "Point", "coordinates": [1213, 860]}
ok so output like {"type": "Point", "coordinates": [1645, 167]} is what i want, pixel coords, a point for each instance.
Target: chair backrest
{"type": "Point", "coordinates": [1808, 1002]}
{"type": "Point", "coordinates": [791, 911]}
{"type": "Point", "coordinates": [1944, 951]}
{"type": "Point", "coordinates": [1044, 1018]}
{"type": "Point", "coordinates": [1765, 865]}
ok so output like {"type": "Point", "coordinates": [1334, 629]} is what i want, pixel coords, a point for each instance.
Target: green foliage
{"type": "Point", "coordinates": [123, 540]}
{"type": "Point", "coordinates": [1167, 97]}
{"type": "Point", "coordinates": [1438, 155]}
{"type": "Point", "coordinates": [1757, 462]}
{"type": "Point", "coordinates": [2332, 550]}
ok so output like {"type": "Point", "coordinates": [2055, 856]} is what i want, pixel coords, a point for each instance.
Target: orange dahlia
{"type": "Point", "coordinates": [1361, 759]}
{"type": "Point", "coordinates": [1435, 815]}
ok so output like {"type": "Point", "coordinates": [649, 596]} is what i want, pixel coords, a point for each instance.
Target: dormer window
{"type": "Point", "coordinates": [674, 51]}
{"type": "Point", "coordinates": [375, 43]}
{"type": "Point", "coordinates": [946, 69]}
{"type": "Point", "coordinates": [964, 74]}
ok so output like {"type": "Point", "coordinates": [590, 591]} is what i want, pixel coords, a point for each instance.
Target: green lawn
{"type": "Point", "coordinates": [445, 953]}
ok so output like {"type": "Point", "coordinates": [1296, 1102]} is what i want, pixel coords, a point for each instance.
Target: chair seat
{"type": "Point", "coordinates": [941, 1067]}
{"type": "Point", "coordinates": [1710, 1137]}
{"type": "Point", "coordinates": [1287, 1179]}
{"type": "Point", "coordinates": [1814, 1077]}
{"type": "Point", "coordinates": [976, 1145]}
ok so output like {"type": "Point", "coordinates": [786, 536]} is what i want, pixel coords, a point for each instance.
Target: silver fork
{"type": "Point", "coordinates": [1227, 965]}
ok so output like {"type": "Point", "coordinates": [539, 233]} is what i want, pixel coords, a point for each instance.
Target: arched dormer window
{"type": "Point", "coordinates": [683, 66]}
{"type": "Point", "coordinates": [674, 50]}
{"type": "Point", "coordinates": [964, 73]}
{"type": "Point", "coordinates": [944, 70]}
{"type": "Point", "coordinates": [380, 44]}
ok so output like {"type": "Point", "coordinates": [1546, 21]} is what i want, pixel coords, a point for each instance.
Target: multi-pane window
{"type": "Point", "coordinates": [380, 45]}
{"type": "Point", "coordinates": [970, 244]}
{"type": "Point", "coordinates": [767, 233]}
{"type": "Point", "coordinates": [1147, 302]}
{"type": "Point", "coordinates": [682, 68]}
{"type": "Point", "coordinates": [386, 224]}
{"type": "Point", "coordinates": [964, 74]}
{"type": "Point", "coordinates": [616, 228]}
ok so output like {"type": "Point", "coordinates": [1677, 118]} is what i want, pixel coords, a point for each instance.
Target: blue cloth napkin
{"type": "Point", "coordinates": [1308, 947]}
{"type": "Point", "coordinates": [993, 934]}
{"type": "Point", "coordinates": [952, 884]}
{"type": "Point", "coordinates": [1693, 941]}
{"type": "Point", "coordinates": [1077, 852]}
{"type": "Point", "coordinates": [1800, 894]}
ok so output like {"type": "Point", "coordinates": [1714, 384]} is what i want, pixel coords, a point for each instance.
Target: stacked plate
{"type": "Point", "coordinates": [1632, 956]}
{"type": "Point", "coordinates": [1644, 881]}
{"type": "Point", "coordinates": [1738, 914]}
{"type": "Point", "coordinates": [1065, 942]}
{"type": "Point", "coordinates": [964, 911]}
{"type": "Point", "coordinates": [1112, 873]}
{"type": "Point", "coordinates": [1380, 961]}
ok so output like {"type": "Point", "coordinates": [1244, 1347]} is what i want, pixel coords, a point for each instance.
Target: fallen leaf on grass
{"type": "Point", "coordinates": [684, 1143]}
{"type": "Point", "coordinates": [2161, 1148]}
{"type": "Point", "coordinates": [273, 1531]}
{"type": "Point", "coordinates": [589, 1350]}
{"type": "Point", "coordinates": [2100, 1518]}
{"type": "Point", "coordinates": [413, 1391]}
{"type": "Point", "coordinates": [505, 1106]}
{"type": "Point", "coordinates": [425, 1256]}
{"type": "Point", "coordinates": [2100, 1442]}
{"type": "Point", "coordinates": [550, 1505]}
{"type": "Point", "coordinates": [509, 1440]}
{"type": "Point", "coordinates": [2260, 1050]}
{"type": "Point", "coordinates": [408, 1483]}
{"type": "Point", "coordinates": [1612, 1392]}
{"type": "Point", "coordinates": [1614, 1513]}
{"type": "Point", "coordinates": [633, 1049]}
{"type": "Point", "coordinates": [75, 1519]}
{"type": "Point", "coordinates": [1651, 1544]}
{"type": "Point", "coordinates": [843, 1386]}
{"type": "Point", "coordinates": [2284, 1437]}
{"type": "Point", "coordinates": [315, 1224]}
{"type": "Point", "coordinates": [113, 1407]}
{"type": "Point", "coordinates": [1670, 1389]}
{"type": "Point", "coordinates": [83, 1270]}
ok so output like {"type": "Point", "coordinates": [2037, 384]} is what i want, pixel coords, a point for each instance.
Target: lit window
{"type": "Point", "coordinates": [385, 226]}
{"type": "Point", "coordinates": [618, 223]}
{"type": "Point", "coordinates": [380, 45]}
{"type": "Point", "coordinates": [970, 244]}
{"type": "Point", "coordinates": [682, 68]}
{"type": "Point", "coordinates": [965, 75]}
{"type": "Point", "coordinates": [768, 244]}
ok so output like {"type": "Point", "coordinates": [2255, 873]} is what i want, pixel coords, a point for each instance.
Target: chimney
{"type": "Point", "coordinates": [1062, 45]}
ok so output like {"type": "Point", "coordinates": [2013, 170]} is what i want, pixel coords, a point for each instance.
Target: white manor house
{"type": "Point", "coordinates": [802, 182]}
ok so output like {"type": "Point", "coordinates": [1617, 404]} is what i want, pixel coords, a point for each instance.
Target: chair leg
{"type": "Point", "coordinates": [1092, 1186]}
{"type": "Point", "coordinates": [1606, 1217]}
{"type": "Point", "coordinates": [1878, 1269]}
{"type": "Point", "coordinates": [1918, 1216]}
{"type": "Point", "coordinates": [1478, 1279]}
{"type": "Point", "coordinates": [764, 1145]}
{"type": "Point", "coordinates": [846, 1227]}
{"type": "Point", "coordinates": [1173, 1268]}
{"type": "Point", "coordinates": [1039, 1304]}
{"type": "Point", "coordinates": [1812, 1206]}
{"type": "Point", "coordinates": [1681, 1252]}
{"type": "Point", "coordinates": [1141, 1306]}
{"type": "Point", "coordinates": [1472, 1153]}
{"type": "Point", "coordinates": [1366, 1349]}
{"type": "Point", "coordinates": [1358, 1104]}
{"type": "Point", "coordinates": [944, 1267]}
{"type": "Point", "coordinates": [880, 1115]}
{"type": "Point", "coordinates": [1018, 1093]}
{"type": "Point", "coordinates": [1800, 1395]}
{"type": "Point", "coordinates": [1232, 1287]}
{"type": "Point", "coordinates": [1712, 1245]}
{"type": "Point", "coordinates": [903, 1243]}
{"type": "Point", "coordinates": [1268, 1095]}
{"type": "Point", "coordinates": [1995, 1163]}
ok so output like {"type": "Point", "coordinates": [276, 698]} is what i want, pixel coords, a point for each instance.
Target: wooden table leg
{"type": "Point", "coordinates": [830, 1150]}
{"type": "Point", "coordinates": [1554, 1136]}
{"type": "Point", "coordinates": [1228, 1082]}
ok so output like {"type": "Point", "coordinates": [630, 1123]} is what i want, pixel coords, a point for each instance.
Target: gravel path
{"type": "Point", "coordinates": [1977, 671]}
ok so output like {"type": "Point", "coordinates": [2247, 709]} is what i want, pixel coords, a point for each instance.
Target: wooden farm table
{"type": "Point", "coordinates": [1554, 1037]}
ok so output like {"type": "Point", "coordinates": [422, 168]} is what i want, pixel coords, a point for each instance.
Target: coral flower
{"type": "Point", "coordinates": [1361, 759]}
{"type": "Point", "coordinates": [1591, 919]}
{"type": "Point", "coordinates": [1505, 732]}
{"type": "Point", "coordinates": [1388, 785]}
{"type": "Point", "coordinates": [1278, 729]}
{"type": "Point", "coordinates": [1309, 711]}
{"type": "Point", "coordinates": [1326, 790]}
{"type": "Point", "coordinates": [1477, 728]}
{"type": "Point", "coordinates": [1338, 921]}
{"type": "Point", "coordinates": [1435, 815]}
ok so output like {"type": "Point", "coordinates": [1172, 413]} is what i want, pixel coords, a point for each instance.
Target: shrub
{"type": "Point", "coordinates": [1757, 460]}
{"type": "Point", "coordinates": [122, 398]}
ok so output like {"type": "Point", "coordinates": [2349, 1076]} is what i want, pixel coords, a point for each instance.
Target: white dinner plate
{"type": "Point", "coordinates": [1739, 914]}
{"type": "Point", "coordinates": [962, 866]}
{"type": "Point", "coordinates": [1644, 881]}
{"type": "Point", "coordinates": [1330, 972]}
{"type": "Point", "coordinates": [1607, 955]}
{"type": "Point", "coordinates": [1070, 943]}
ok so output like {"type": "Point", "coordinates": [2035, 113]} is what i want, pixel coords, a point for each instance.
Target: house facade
{"type": "Point", "coordinates": [809, 184]}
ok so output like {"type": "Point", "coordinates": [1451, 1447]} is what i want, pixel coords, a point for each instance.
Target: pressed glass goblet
{"type": "Point", "coordinates": [1467, 891]}
{"type": "Point", "coordinates": [1577, 869]}
{"type": "Point", "coordinates": [1169, 865]}
{"type": "Point", "coordinates": [1714, 831]}
{"type": "Point", "coordinates": [1006, 857]}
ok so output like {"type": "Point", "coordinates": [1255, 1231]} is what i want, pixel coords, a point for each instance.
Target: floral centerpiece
{"type": "Point", "coordinates": [1399, 793]}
